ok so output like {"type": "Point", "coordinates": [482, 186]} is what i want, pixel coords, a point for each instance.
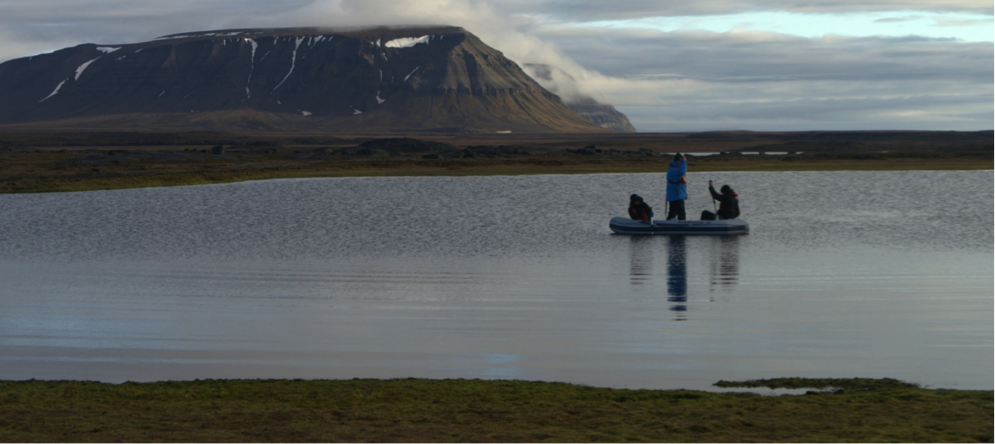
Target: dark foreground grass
{"type": "Point", "coordinates": [408, 410]}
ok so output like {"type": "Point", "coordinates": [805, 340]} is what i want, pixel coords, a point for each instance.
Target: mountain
{"type": "Point", "coordinates": [295, 79]}
{"type": "Point", "coordinates": [601, 114]}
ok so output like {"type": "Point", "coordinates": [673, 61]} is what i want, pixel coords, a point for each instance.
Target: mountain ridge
{"type": "Point", "coordinates": [285, 79]}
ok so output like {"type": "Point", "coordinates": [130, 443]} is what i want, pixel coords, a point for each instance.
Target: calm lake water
{"type": "Point", "coordinates": [844, 274]}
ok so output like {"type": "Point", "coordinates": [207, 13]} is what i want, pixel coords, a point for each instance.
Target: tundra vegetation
{"type": "Point", "coordinates": [93, 161]}
{"type": "Point", "coordinates": [421, 410]}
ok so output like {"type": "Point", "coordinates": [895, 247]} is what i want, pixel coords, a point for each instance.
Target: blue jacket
{"type": "Point", "coordinates": [677, 184]}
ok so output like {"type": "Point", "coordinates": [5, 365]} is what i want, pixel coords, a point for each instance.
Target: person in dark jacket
{"type": "Point", "coordinates": [677, 191]}
{"type": "Point", "coordinates": [728, 203]}
{"type": "Point", "coordinates": [638, 210]}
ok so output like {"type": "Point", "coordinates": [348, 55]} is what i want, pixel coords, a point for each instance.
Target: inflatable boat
{"type": "Point", "coordinates": [624, 225]}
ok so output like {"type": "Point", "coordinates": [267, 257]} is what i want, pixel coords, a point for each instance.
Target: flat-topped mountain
{"type": "Point", "coordinates": [301, 79]}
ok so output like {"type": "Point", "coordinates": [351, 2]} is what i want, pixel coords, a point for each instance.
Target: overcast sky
{"type": "Point", "coordinates": [757, 65]}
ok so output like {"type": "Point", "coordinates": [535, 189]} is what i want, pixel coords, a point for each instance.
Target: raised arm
{"type": "Point", "coordinates": [715, 195]}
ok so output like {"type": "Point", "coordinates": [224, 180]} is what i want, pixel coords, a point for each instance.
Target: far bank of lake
{"type": "Point", "coordinates": [60, 171]}
{"type": "Point", "coordinates": [95, 160]}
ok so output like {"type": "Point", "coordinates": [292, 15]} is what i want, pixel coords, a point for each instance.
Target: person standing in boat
{"type": "Point", "coordinates": [638, 209]}
{"type": "Point", "coordinates": [728, 203]}
{"type": "Point", "coordinates": [677, 190]}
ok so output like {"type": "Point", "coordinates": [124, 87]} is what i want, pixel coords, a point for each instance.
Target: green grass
{"type": "Point", "coordinates": [408, 410]}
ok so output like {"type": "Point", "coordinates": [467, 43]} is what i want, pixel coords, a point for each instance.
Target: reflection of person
{"type": "Point", "coordinates": [639, 210]}
{"type": "Point", "coordinates": [677, 191]}
{"type": "Point", "coordinates": [728, 203]}
{"type": "Point", "coordinates": [677, 268]}
{"type": "Point", "coordinates": [677, 276]}
{"type": "Point", "coordinates": [725, 262]}
{"type": "Point", "coordinates": [641, 261]}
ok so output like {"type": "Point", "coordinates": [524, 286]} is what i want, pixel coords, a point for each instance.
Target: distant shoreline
{"type": "Point", "coordinates": [423, 410]}
{"type": "Point", "coordinates": [61, 162]}
{"type": "Point", "coordinates": [35, 174]}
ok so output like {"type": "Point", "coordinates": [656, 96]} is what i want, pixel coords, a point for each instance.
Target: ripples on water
{"type": "Point", "coordinates": [843, 274]}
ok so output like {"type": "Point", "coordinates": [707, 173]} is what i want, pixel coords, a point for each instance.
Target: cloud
{"type": "Point", "coordinates": [907, 18]}
{"type": "Point", "coordinates": [750, 56]}
{"type": "Point", "coordinates": [909, 113]}
{"type": "Point", "coordinates": [697, 80]}
{"type": "Point", "coordinates": [943, 21]}
{"type": "Point", "coordinates": [599, 10]}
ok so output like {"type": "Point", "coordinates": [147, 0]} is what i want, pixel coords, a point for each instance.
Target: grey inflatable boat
{"type": "Point", "coordinates": [624, 225]}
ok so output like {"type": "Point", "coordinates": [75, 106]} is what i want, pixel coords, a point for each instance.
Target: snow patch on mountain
{"type": "Point", "coordinates": [79, 71]}
{"type": "Point", "coordinates": [411, 73]}
{"type": "Point", "coordinates": [407, 42]}
{"type": "Point", "coordinates": [107, 49]}
{"type": "Point", "coordinates": [56, 91]}
{"type": "Point", "coordinates": [252, 67]}
{"type": "Point", "coordinates": [293, 62]}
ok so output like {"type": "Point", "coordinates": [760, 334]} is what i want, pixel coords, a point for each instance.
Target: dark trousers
{"type": "Point", "coordinates": [677, 210]}
{"type": "Point", "coordinates": [708, 215]}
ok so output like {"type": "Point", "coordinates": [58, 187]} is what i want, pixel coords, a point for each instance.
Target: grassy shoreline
{"type": "Point", "coordinates": [420, 410]}
{"type": "Point", "coordinates": [64, 172]}
{"type": "Point", "coordinates": [57, 161]}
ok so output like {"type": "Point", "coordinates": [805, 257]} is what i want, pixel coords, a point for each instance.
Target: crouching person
{"type": "Point", "coordinates": [638, 210]}
{"type": "Point", "coordinates": [728, 203]}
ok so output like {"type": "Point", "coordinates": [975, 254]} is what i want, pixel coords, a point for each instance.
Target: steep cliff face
{"type": "Point", "coordinates": [601, 114]}
{"type": "Point", "coordinates": [285, 79]}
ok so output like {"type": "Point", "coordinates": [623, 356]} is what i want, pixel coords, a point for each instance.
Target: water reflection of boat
{"type": "Point", "coordinates": [677, 276]}
{"type": "Point", "coordinates": [724, 267]}
{"type": "Point", "coordinates": [725, 262]}
{"type": "Point", "coordinates": [641, 263]}
{"type": "Point", "coordinates": [624, 225]}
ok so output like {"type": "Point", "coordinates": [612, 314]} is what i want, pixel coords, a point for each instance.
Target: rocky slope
{"type": "Point", "coordinates": [383, 79]}
{"type": "Point", "coordinates": [601, 114]}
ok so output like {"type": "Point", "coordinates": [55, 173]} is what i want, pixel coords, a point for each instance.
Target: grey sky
{"type": "Point", "coordinates": [669, 65]}
{"type": "Point", "coordinates": [596, 10]}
